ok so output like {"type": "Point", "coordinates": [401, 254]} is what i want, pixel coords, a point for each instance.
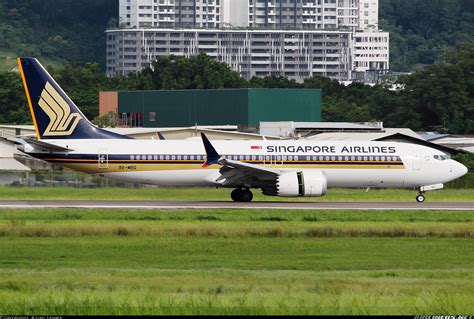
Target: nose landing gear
{"type": "Point", "coordinates": [420, 198]}
{"type": "Point", "coordinates": [241, 195]}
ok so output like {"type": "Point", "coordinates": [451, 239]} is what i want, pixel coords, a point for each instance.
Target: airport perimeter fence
{"type": "Point", "coordinates": [60, 178]}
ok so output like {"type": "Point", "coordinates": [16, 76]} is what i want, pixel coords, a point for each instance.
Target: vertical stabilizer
{"type": "Point", "coordinates": [54, 114]}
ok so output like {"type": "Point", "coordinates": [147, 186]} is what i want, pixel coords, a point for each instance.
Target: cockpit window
{"type": "Point", "coordinates": [441, 157]}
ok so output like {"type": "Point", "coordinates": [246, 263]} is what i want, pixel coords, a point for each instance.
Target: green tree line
{"type": "Point", "coordinates": [437, 98]}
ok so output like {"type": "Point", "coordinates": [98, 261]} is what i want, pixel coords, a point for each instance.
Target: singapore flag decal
{"type": "Point", "coordinates": [255, 147]}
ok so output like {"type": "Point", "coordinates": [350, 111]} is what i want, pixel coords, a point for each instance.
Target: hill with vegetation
{"type": "Point", "coordinates": [57, 31]}
{"type": "Point", "coordinates": [422, 32]}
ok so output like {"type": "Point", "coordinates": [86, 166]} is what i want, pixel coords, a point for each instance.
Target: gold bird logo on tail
{"type": "Point", "coordinates": [61, 121]}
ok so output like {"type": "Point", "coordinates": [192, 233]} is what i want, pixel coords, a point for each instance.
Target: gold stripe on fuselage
{"type": "Point", "coordinates": [131, 167]}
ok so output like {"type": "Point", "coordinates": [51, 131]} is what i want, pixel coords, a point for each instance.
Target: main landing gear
{"type": "Point", "coordinates": [241, 195]}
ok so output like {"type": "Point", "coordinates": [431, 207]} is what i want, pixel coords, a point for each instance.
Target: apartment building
{"type": "Point", "coordinates": [235, 28]}
{"type": "Point", "coordinates": [170, 13]}
{"type": "Point", "coordinates": [371, 51]}
{"type": "Point", "coordinates": [304, 14]}
{"type": "Point", "coordinates": [368, 15]}
{"type": "Point", "coordinates": [268, 14]}
{"type": "Point", "coordinates": [295, 54]}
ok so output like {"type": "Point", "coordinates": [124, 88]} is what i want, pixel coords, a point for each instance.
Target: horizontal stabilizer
{"type": "Point", "coordinates": [46, 146]}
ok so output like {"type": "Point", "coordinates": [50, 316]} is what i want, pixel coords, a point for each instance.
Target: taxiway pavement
{"type": "Point", "coordinates": [133, 204]}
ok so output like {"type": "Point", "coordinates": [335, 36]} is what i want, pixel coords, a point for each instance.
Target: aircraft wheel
{"type": "Point", "coordinates": [241, 195]}
{"type": "Point", "coordinates": [420, 198]}
{"type": "Point", "coordinates": [247, 195]}
{"type": "Point", "coordinates": [236, 195]}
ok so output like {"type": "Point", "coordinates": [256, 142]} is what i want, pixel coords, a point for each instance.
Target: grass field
{"type": "Point", "coordinates": [151, 193]}
{"type": "Point", "coordinates": [73, 261]}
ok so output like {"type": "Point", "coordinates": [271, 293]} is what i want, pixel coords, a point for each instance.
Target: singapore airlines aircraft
{"type": "Point", "coordinates": [278, 168]}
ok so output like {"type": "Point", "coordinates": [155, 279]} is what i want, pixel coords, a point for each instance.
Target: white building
{"type": "Point", "coordinates": [295, 54]}
{"type": "Point", "coordinates": [368, 15]}
{"type": "Point", "coordinates": [371, 51]}
{"type": "Point", "coordinates": [274, 14]}
{"type": "Point", "coordinates": [169, 13]}
{"type": "Point", "coordinates": [368, 53]}
{"type": "Point", "coordinates": [303, 14]}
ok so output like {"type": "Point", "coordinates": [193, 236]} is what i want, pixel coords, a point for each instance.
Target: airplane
{"type": "Point", "coordinates": [286, 168]}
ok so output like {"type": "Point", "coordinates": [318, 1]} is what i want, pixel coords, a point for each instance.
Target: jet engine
{"type": "Point", "coordinates": [307, 183]}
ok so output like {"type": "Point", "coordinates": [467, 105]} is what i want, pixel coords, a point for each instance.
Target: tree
{"type": "Point", "coordinates": [442, 94]}
{"type": "Point", "coordinates": [197, 72]}
{"type": "Point", "coordinates": [13, 105]}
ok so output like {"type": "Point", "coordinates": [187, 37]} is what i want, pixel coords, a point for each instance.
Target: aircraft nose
{"type": "Point", "coordinates": [463, 169]}
{"type": "Point", "coordinates": [460, 169]}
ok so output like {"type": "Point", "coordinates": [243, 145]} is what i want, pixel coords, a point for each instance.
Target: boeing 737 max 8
{"type": "Point", "coordinates": [280, 168]}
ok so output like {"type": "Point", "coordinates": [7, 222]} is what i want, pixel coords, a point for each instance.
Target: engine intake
{"type": "Point", "coordinates": [306, 183]}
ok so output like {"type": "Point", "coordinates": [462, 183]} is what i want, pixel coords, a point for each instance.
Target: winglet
{"type": "Point", "coordinates": [161, 136]}
{"type": "Point", "coordinates": [211, 154]}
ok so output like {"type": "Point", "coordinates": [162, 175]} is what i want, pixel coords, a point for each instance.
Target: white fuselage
{"type": "Point", "coordinates": [179, 163]}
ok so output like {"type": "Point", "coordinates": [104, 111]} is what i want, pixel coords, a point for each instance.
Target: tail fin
{"type": "Point", "coordinates": [55, 115]}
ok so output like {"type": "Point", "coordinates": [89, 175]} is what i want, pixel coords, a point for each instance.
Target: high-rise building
{"type": "Point", "coordinates": [170, 13]}
{"type": "Point", "coordinates": [304, 14]}
{"type": "Point", "coordinates": [368, 15]}
{"type": "Point", "coordinates": [255, 49]}
{"type": "Point", "coordinates": [268, 14]}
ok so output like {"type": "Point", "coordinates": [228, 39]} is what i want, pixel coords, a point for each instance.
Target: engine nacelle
{"type": "Point", "coordinates": [307, 183]}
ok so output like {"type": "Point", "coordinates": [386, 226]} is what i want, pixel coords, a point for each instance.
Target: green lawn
{"type": "Point", "coordinates": [73, 261]}
{"type": "Point", "coordinates": [150, 193]}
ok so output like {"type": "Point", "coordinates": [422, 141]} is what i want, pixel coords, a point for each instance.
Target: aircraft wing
{"type": "Point", "coordinates": [239, 173]}
{"type": "Point", "coordinates": [236, 173]}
